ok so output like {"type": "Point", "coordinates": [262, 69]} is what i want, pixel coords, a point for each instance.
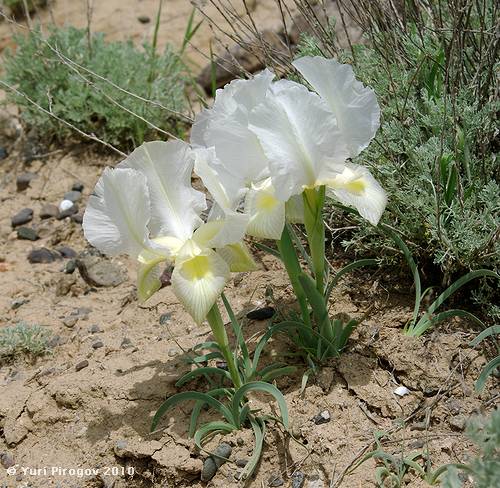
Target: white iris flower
{"type": "Point", "coordinates": [147, 208]}
{"type": "Point", "coordinates": [273, 140]}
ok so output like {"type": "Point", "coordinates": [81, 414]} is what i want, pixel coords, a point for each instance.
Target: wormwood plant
{"type": "Point", "coordinates": [23, 338]}
{"type": "Point", "coordinates": [72, 77]}
{"type": "Point", "coordinates": [436, 151]}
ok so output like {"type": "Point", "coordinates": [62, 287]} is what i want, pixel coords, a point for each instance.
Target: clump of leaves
{"type": "Point", "coordinates": [22, 338]}
{"type": "Point", "coordinates": [435, 153]}
{"type": "Point", "coordinates": [485, 468]}
{"type": "Point", "coordinates": [121, 94]}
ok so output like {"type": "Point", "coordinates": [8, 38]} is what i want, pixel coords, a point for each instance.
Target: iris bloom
{"type": "Point", "coordinates": [273, 140]}
{"type": "Point", "coordinates": [147, 208]}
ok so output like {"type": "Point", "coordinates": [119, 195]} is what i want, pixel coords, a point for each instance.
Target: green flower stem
{"type": "Point", "coordinates": [314, 200]}
{"type": "Point", "coordinates": [292, 266]}
{"type": "Point", "coordinates": [217, 325]}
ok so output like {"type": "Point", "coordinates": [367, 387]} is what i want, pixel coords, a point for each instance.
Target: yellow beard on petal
{"type": "Point", "coordinates": [266, 201]}
{"type": "Point", "coordinates": [197, 268]}
{"type": "Point", "coordinates": [357, 187]}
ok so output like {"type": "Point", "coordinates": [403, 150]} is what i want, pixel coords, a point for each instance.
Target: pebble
{"type": "Point", "coordinates": [298, 479]}
{"type": "Point", "coordinates": [70, 321]}
{"type": "Point", "coordinates": [66, 210]}
{"type": "Point", "coordinates": [54, 341]}
{"type": "Point", "coordinates": [275, 480]}
{"type": "Point", "coordinates": [94, 329]}
{"type": "Point", "coordinates": [322, 417]}
{"type": "Point", "coordinates": [77, 218]}
{"type": "Point", "coordinates": [97, 271]}
{"type": "Point", "coordinates": [97, 345]}
{"type": "Point", "coordinates": [42, 255]}
{"type": "Point", "coordinates": [81, 365]}
{"type": "Point", "coordinates": [144, 19]}
{"type": "Point", "coordinates": [401, 391]}
{"type": "Point", "coordinates": [3, 153]}
{"type": "Point", "coordinates": [27, 234]}
{"type": "Point", "coordinates": [70, 266]}
{"type": "Point", "coordinates": [22, 217]}
{"type": "Point", "coordinates": [24, 180]}
{"type": "Point", "coordinates": [66, 252]}
{"type": "Point", "coordinates": [261, 313]}
{"type": "Point", "coordinates": [172, 352]}
{"type": "Point", "coordinates": [78, 186]}
{"type": "Point", "coordinates": [126, 343]}
{"type": "Point", "coordinates": [18, 302]}
{"type": "Point", "coordinates": [6, 460]}
{"type": "Point", "coordinates": [241, 463]}
{"type": "Point", "coordinates": [221, 365]}
{"type": "Point", "coordinates": [213, 463]}
{"type": "Point", "coordinates": [457, 422]}
{"type": "Point", "coordinates": [165, 318]}
{"type": "Point", "coordinates": [49, 211]}
{"type": "Point", "coordinates": [73, 196]}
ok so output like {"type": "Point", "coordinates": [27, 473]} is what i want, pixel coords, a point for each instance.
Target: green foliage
{"type": "Point", "coordinates": [435, 152]}
{"type": "Point", "coordinates": [71, 86]}
{"type": "Point", "coordinates": [22, 338]}
{"type": "Point", "coordinates": [485, 468]}
{"type": "Point", "coordinates": [494, 364]}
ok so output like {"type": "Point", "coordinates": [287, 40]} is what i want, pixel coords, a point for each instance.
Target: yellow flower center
{"type": "Point", "coordinates": [196, 268]}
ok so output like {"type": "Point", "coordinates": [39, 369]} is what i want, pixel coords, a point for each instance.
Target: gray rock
{"type": "Point", "coordinates": [144, 19]}
{"type": "Point", "coordinates": [165, 318]}
{"type": "Point", "coordinates": [54, 341]}
{"type": "Point", "coordinates": [215, 461]}
{"type": "Point", "coordinates": [27, 234]}
{"type": "Point", "coordinates": [241, 463]}
{"type": "Point", "coordinates": [42, 255]}
{"type": "Point", "coordinates": [24, 180]}
{"type": "Point", "coordinates": [298, 479]}
{"type": "Point", "coordinates": [6, 460]}
{"type": "Point", "coordinates": [68, 212]}
{"type": "Point", "coordinates": [81, 365]}
{"type": "Point", "coordinates": [97, 345]}
{"type": "Point", "coordinates": [322, 417]}
{"type": "Point", "coordinates": [172, 352]}
{"type": "Point", "coordinates": [18, 302]}
{"type": "Point", "coordinates": [66, 252]}
{"type": "Point", "coordinates": [126, 343]}
{"type": "Point", "coordinates": [97, 271]}
{"type": "Point", "coordinates": [73, 196]}
{"type": "Point", "coordinates": [49, 211]}
{"type": "Point", "coordinates": [457, 422]}
{"type": "Point", "coordinates": [78, 186]}
{"type": "Point", "coordinates": [70, 321]}
{"type": "Point", "coordinates": [70, 266]}
{"type": "Point", "coordinates": [3, 153]}
{"type": "Point", "coordinates": [94, 329]}
{"type": "Point", "coordinates": [22, 217]}
{"type": "Point", "coordinates": [77, 218]}
{"type": "Point", "coordinates": [275, 480]}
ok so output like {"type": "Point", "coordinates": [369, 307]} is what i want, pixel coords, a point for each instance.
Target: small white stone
{"type": "Point", "coordinates": [401, 391]}
{"type": "Point", "coordinates": [65, 205]}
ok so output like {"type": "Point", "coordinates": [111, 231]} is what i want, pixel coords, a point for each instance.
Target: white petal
{"type": "Point", "coordinates": [175, 204]}
{"type": "Point", "coordinates": [198, 279]}
{"type": "Point", "coordinates": [354, 105]}
{"type": "Point", "coordinates": [226, 189]}
{"type": "Point", "coordinates": [238, 257]}
{"type": "Point", "coordinates": [267, 213]}
{"type": "Point", "coordinates": [199, 128]}
{"type": "Point", "coordinates": [219, 233]}
{"type": "Point", "coordinates": [118, 212]}
{"type": "Point", "coordinates": [294, 209]}
{"type": "Point", "coordinates": [356, 187]}
{"type": "Point", "coordinates": [299, 136]}
{"type": "Point", "coordinates": [148, 278]}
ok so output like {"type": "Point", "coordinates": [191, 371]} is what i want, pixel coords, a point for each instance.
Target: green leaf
{"type": "Point", "coordinates": [211, 428]}
{"type": "Point", "coordinates": [266, 388]}
{"type": "Point", "coordinates": [259, 429]}
{"type": "Point", "coordinates": [269, 250]}
{"type": "Point", "coordinates": [271, 375]}
{"type": "Point", "coordinates": [347, 269]}
{"type": "Point", "coordinates": [494, 329]}
{"type": "Point", "coordinates": [487, 370]}
{"type": "Point", "coordinates": [189, 396]}
{"type": "Point", "coordinates": [201, 372]}
{"type": "Point", "coordinates": [318, 305]}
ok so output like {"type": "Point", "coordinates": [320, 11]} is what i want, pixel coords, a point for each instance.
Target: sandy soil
{"type": "Point", "coordinates": [54, 414]}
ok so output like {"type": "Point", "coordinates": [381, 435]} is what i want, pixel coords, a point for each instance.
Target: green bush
{"type": "Point", "coordinates": [38, 72]}
{"type": "Point", "coordinates": [23, 339]}
{"type": "Point", "coordinates": [435, 152]}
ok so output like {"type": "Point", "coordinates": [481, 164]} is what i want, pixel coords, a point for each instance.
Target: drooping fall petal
{"type": "Point", "coordinates": [198, 279]}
